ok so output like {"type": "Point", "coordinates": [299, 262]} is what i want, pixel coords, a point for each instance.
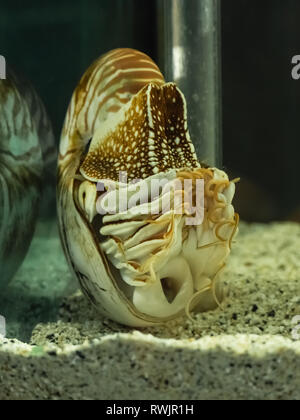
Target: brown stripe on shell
{"type": "Point", "coordinates": [99, 87]}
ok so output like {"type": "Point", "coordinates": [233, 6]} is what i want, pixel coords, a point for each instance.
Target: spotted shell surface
{"type": "Point", "coordinates": [137, 266]}
{"type": "Point", "coordinates": [26, 148]}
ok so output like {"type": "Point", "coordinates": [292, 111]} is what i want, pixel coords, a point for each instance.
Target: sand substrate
{"type": "Point", "coordinates": [59, 347]}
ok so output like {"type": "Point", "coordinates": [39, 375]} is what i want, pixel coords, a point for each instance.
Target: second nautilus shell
{"type": "Point", "coordinates": [145, 227]}
{"type": "Point", "coordinates": [26, 150]}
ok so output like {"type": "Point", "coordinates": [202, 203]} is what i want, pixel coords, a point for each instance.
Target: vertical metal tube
{"type": "Point", "coordinates": [189, 53]}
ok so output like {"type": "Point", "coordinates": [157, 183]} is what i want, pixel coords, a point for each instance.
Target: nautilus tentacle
{"type": "Point", "coordinates": [145, 228]}
{"type": "Point", "coordinates": [26, 141]}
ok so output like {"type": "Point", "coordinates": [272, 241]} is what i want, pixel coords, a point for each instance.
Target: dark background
{"type": "Point", "coordinates": [54, 42]}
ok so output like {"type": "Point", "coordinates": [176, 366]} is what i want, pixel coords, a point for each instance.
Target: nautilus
{"type": "Point", "coordinates": [26, 149]}
{"type": "Point", "coordinates": [142, 257]}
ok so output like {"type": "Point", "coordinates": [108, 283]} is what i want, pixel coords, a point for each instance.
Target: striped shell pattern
{"type": "Point", "coordinates": [125, 131]}
{"type": "Point", "coordinates": [26, 143]}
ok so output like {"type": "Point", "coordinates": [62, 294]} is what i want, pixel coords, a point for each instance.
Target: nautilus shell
{"type": "Point", "coordinates": [146, 229]}
{"type": "Point", "coordinates": [26, 148]}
